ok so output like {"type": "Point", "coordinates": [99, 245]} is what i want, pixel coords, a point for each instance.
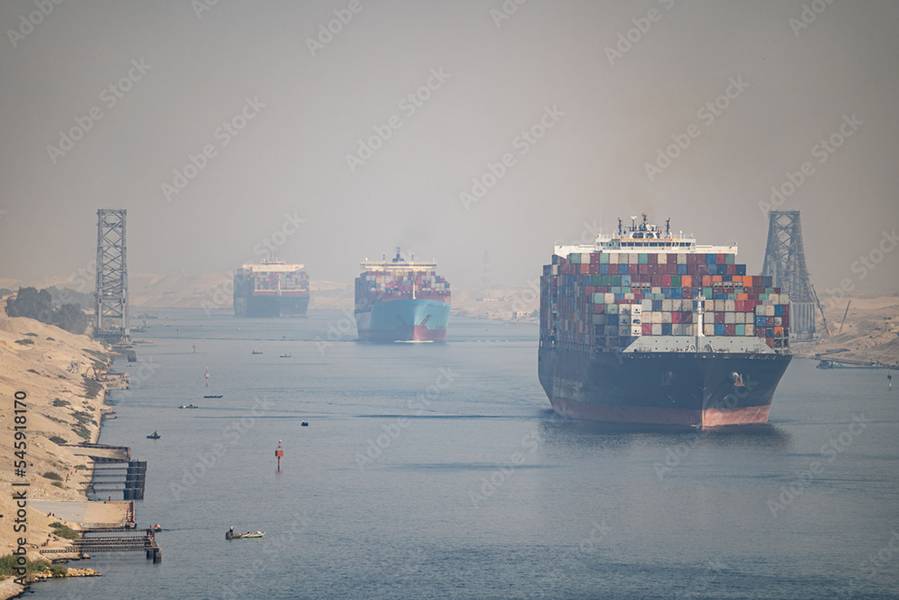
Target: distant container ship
{"type": "Point", "coordinates": [401, 301]}
{"type": "Point", "coordinates": [271, 289]}
{"type": "Point", "coordinates": [646, 327]}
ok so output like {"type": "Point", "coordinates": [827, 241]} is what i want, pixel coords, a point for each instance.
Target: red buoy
{"type": "Point", "coordinates": [279, 452]}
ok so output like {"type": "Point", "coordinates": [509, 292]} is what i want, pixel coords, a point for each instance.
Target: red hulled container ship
{"type": "Point", "coordinates": [401, 300]}
{"type": "Point", "coordinates": [645, 327]}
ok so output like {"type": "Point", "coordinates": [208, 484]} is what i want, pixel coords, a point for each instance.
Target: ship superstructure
{"type": "Point", "coordinates": [401, 300]}
{"type": "Point", "coordinates": [645, 326]}
{"type": "Point", "coordinates": [271, 289]}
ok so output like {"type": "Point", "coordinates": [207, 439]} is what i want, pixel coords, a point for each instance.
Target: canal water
{"type": "Point", "coordinates": [437, 471]}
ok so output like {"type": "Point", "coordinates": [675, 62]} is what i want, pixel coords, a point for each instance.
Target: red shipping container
{"type": "Point", "coordinates": [730, 330]}
{"type": "Point", "coordinates": [647, 328]}
{"type": "Point", "coordinates": [719, 317]}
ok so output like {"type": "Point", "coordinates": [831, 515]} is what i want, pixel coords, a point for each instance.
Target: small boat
{"type": "Point", "coordinates": [156, 527]}
{"type": "Point", "coordinates": [212, 396]}
{"type": "Point", "coordinates": [188, 406]}
{"type": "Point", "coordinates": [256, 352]}
{"type": "Point", "coordinates": [246, 535]}
{"type": "Point", "coordinates": [285, 356]}
{"type": "Point", "coordinates": [154, 436]}
{"type": "Point", "coordinates": [304, 423]}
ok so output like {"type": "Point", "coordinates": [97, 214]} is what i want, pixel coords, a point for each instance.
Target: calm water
{"type": "Point", "coordinates": [437, 471]}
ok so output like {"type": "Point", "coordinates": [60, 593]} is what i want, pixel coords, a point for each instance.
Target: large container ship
{"type": "Point", "coordinates": [271, 289]}
{"type": "Point", "coordinates": [645, 327]}
{"type": "Point", "coordinates": [401, 300]}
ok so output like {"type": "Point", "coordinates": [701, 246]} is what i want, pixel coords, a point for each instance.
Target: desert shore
{"type": "Point", "coordinates": [58, 373]}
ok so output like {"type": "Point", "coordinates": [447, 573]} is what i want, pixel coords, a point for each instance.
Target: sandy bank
{"type": "Point", "coordinates": [55, 369]}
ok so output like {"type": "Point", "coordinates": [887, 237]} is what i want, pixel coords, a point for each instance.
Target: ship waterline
{"type": "Point", "coordinates": [697, 390]}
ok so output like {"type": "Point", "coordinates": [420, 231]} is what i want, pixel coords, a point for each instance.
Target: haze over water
{"type": "Point", "coordinates": [483, 493]}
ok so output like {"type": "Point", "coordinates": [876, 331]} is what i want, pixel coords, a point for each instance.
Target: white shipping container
{"type": "Point", "coordinates": [647, 305]}
{"type": "Point", "coordinates": [730, 305]}
{"type": "Point", "coordinates": [667, 305]}
{"type": "Point", "coordinates": [729, 318]}
{"type": "Point", "coordinates": [613, 258]}
{"type": "Point", "coordinates": [708, 328]}
{"type": "Point", "coordinates": [681, 258]}
{"type": "Point", "coordinates": [666, 317]}
{"type": "Point", "coordinates": [637, 309]}
{"type": "Point", "coordinates": [750, 329]}
{"type": "Point", "coordinates": [656, 329]}
{"type": "Point", "coordinates": [636, 331]}
{"type": "Point", "coordinates": [662, 259]}
{"type": "Point", "coordinates": [609, 298]}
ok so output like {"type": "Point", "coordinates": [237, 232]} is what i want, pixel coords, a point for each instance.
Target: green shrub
{"type": "Point", "coordinates": [64, 531]}
{"type": "Point", "coordinates": [8, 566]}
{"type": "Point", "coordinates": [53, 475]}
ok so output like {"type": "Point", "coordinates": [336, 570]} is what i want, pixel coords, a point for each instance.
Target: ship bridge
{"type": "Point", "coordinates": [647, 238]}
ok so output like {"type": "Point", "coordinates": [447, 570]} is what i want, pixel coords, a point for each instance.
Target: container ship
{"type": "Point", "coordinates": [400, 300]}
{"type": "Point", "coordinates": [271, 289]}
{"type": "Point", "coordinates": [645, 327]}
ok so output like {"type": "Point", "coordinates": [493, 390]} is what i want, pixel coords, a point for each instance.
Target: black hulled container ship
{"type": "Point", "coordinates": [271, 289]}
{"type": "Point", "coordinates": [645, 327]}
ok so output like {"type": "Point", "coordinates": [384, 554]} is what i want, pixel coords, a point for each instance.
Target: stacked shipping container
{"type": "Point", "coordinates": [606, 299]}
{"type": "Point", "coordinates": [396, 283]}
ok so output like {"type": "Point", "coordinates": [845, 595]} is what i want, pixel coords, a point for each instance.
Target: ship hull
{"type": "Point", "coordinates": [271, 306]}
{"type": "Point", "coordinates": [667, 389]}
{"type": "Point", "coordinates": [403, 320]}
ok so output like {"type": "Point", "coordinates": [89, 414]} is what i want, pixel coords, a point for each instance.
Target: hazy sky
{"type": "Point", "coordinates": [578, 99]}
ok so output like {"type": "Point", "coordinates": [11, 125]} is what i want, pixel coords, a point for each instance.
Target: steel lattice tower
{"type": "Point", "coordinates": [111, 310]}
{"type": "Point", "coordinates": [785, 263]}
